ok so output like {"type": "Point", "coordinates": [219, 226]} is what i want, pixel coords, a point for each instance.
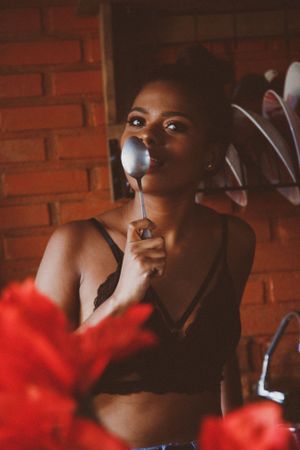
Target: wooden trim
{"type": "Point", "coordinates": [107, 58]}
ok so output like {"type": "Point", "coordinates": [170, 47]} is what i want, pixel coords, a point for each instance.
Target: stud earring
{"type": "Point", "coordinates": [209, 166]}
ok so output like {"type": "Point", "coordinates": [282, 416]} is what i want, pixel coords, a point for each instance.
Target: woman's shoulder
{"type": "Point", "coordinates": [70, 235]}
{"type": "Point", "coordinates": [77, 231]}
{"type": "Point", "coordinates": [239, 230]}
{"type": "Point", "coordinates": [239, 245]}
{"type": "Point", "coordinates": [74, 240]}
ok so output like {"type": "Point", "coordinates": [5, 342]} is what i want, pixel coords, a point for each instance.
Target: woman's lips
{"type": "Point", "coordinates": [155, 163]}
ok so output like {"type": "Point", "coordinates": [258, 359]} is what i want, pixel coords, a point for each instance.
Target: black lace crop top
{"type": "Point", "coordinates": [190, 362]}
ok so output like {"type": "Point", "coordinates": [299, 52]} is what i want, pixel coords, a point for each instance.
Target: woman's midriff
{"type": "Point", "coordinates": [145, 419]}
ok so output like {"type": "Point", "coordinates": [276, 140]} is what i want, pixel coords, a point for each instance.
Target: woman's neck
{"type": "Point", "coordinates": [173, 215]}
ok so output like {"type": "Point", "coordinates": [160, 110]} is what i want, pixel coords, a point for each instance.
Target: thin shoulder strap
{"type": "Point", "coordinates": [117, 252]}
{"type": "Point", "coordinates": [221, 253]}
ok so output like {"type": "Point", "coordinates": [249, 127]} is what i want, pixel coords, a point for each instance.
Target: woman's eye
{"type": "Point", "coordinates": [136, 121]}
{"type": "Point", "coordinates": [176, 126]}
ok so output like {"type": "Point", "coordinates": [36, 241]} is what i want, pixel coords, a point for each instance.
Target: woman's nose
{"type": "Point", "coordinates": [151, 135]}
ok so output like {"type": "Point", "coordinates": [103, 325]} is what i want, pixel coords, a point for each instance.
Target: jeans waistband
{"type": "Point", "coordinates": [192, 445]}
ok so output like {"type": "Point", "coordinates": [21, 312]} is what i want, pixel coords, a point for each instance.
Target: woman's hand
{"type": "Point", "coordinates": [143, 260]}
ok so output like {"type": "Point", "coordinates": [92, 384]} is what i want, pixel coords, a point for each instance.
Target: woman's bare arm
{"type": "Point", "coordinates": [58, 275]}
{"type": "Point", "coordinates": [60, 272]}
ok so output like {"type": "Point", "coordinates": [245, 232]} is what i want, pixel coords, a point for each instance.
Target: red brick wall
{"type": "Point", "coordinates": [54, 160]}
{"type": "Point", "coordinates": [53, 153]}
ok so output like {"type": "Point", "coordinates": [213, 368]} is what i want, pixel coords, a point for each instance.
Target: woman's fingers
{"type": "Point", "coordinates": [136, 228]}
{"type": "Point", "coordinates": [147, 245]}
{"type": "Point", "coordinates": [157, 267]}
{"type": "Point", "coordinates": [143, 260]}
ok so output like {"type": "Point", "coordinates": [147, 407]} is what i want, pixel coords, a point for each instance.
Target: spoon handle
{"type": "Point", "coordinates": [146, 234]}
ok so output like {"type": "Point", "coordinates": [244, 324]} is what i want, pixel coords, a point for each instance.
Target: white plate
{"type": "Point", "coordinates": [291, 91]}
{"type": "Point", "coordinates": [232, 176]}
{"type": "Point", "coordinates": [278, 160]}
{"type": "Point", "coordinates": [280, 113]}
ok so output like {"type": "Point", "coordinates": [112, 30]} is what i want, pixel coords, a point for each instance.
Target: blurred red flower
{"type": "Point", "coordinates": [47, 370]}
{"type": "Point", "coordinates": [257, 426]}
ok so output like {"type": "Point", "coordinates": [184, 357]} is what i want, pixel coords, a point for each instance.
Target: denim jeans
{"type": "Point", "coordinates": [192, 445]}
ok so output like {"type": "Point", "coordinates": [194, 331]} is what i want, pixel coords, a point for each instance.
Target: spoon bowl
{"type": "Point", "coordinates": [135, 158]}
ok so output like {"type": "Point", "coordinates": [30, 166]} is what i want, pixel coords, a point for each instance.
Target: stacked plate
{"type": "Point", "coordinates": [274, 157]}
{"type": "Point", "coordinates": [291, 91]}
{"type": "Point", "coordinates": [270, 143]}
{"type": "Point", "coordinates": [233, 176]}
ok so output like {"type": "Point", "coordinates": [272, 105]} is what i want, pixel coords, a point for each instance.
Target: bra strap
{"type": "Point", "coordinates": [117, 252]}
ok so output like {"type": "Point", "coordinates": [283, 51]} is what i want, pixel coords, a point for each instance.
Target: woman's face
{"type": "Point", "coordinates": [173, 130]}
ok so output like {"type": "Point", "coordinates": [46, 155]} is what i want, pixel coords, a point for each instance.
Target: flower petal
{"type": "Point", "coordinates": [87, 435]}
{"type": "Point", "coordinates": [257, 426]}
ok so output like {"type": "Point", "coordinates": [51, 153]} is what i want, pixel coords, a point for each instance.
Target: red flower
{"type": "Point", "coordinates": [257, 426]}
{"type": "Point", "coordinates": [46, 371]}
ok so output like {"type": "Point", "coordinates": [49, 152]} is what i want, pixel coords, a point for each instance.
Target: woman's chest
{"type": "Point", "coordinates": [188, 277]}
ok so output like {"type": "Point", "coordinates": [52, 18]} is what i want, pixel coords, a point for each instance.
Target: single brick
{"type": "Point", "coordinates": [265, 319]}
{"type": "Point", "coordinates": [288, 228]}
{"type": "Point", "coordinates": [56, 182]}
{"type": "Point", "coordinates": [212, 26]}
{"type": "Point", "coordinates": [277, 257]}
{"type": "Point", "coordinates": [83, 210]}
{"type": "Point", "coordinates": [27, 85]}
{"type": "Point", "coordinates": [285, 286]}
{"type": "Point", "coordinates": [41, 117]}
{"type": "Point", "coordinates": [20, 20]}
{"type": "Point", "coordinates": [7, 277]}
{"type": "Point", "coordinates": [64, 18]}
{"type": "Point", "coordinates": [254, 45]}
{"type": "Point", "coordinates": [41, 52]}
{"type": "Point", "coordinates": [86, 144]}
{"type": "Point", "coordinates": [23, 216]}
{"type": "Point", "coordinates": [293, 21]}
{"type": "Point", "coordinates": [83, 82]}
{"type": "Point", "coordinates": [176, 28]}
{"type": "Point", "coordinates": [22, 150]}
{"type": "Point", "coordinates": [262, 23]}
{"type": "Point", "coordinates": [25, 247]}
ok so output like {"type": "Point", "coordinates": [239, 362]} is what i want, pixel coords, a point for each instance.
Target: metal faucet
{"type": "Point", "coordinates": [262, 389]}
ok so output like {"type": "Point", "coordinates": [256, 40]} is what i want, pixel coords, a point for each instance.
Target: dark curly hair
{"type": "Point", "coordinates": [203, 76]}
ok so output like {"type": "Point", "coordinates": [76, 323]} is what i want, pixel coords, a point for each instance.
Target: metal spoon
{"type": "Point", "coordinates": [135, 160]}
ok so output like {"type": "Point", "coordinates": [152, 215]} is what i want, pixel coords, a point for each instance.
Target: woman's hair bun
{"type": "Point", "coordinates": [202, 62]}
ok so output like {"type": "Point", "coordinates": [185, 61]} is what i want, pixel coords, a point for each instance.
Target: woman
{"type": "Point", "coordinates": [193, 270]}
